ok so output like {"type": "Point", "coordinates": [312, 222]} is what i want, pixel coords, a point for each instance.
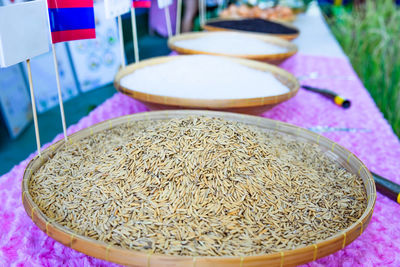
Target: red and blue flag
{"type": "Point", "coordinates": [71, 20]}
{"type": "Point", "coordinates": [141, 4]}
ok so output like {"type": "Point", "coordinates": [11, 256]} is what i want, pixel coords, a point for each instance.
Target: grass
{"type": "Point", "coordinates": [370, 36]}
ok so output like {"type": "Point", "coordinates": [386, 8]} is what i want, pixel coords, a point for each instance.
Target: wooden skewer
{"type": "Point", "coordinates": [134, 32]}
{"type": "Point", "coordinates": [121, 42]}
{"type": "Point", "coordinates": [60, 100]}
{"type": "Point", "coordinates": [168, 21]}
{"type": "Point", "coordinates": [35, 120]}
{"type": "Point", "coordinates": [178, 17]}
{"type": "Point", "coordinates": [202, 11]}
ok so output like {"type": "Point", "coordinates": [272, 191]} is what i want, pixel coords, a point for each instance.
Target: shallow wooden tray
{"type": "Point", "coordinates": [245, 105]}
{"type": "Point", "coordinates": [119, 255]}
{"type": "Point", "coordinates": [288, 37]}
{"type": "Point", "coordinates": [269, 58]}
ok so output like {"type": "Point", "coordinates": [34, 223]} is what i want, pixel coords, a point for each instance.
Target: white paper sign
{"type": "Point", "coordinates": [164, 3]}
{"type": "Point", "coordinates": [115, 8]}
{"type": "Point", "coordinates": [24, 32]}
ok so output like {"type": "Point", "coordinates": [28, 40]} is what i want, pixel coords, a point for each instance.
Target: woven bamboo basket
{"type": "Point", "coordinates": [279, 20]}
{"type": "Point", "coordinates": [291, 20]}
{"type": "Point", "coordinates": [246, 105]}
{"type": "Point", "coordinates": [288, 37]}
{"type": "Point", "coordinates": [119, 255]}
{"type": "Point", "coordinates": [275, 59]}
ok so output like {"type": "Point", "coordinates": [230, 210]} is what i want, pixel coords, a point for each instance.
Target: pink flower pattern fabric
{"type": "Point", "coordinates": [24, 244]}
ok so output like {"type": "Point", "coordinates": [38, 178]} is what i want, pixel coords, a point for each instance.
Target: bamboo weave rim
{"type": "Point", "coordinates": [283, 76]}
{"type": "Point", "coordinates": [288, 37]}
{"type": "Point", "coordinates": [279, 20]}
{"type": "Point", "coordinates": [119, 255]}
{"type": "Point", "coordinates": [270, 58]}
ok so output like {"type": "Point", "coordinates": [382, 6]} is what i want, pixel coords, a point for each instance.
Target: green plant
{"type": "Point", "coordinates": [370, 36]}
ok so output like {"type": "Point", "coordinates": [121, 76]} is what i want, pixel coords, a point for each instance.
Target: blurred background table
{"type": "Point", "coordinates": [315, 38]}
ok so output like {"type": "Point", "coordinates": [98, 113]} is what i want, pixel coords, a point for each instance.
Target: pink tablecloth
{"type": "Point", "coordinates": [22, 243]}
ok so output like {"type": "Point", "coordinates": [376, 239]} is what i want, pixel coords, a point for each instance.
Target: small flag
{"type": "Point", "coordinates": [71, 20]}
{"type": "Point", "coordinates": [23, 32]}
{"type": "Point", "coordinates": [164, 3]}
{"type": "Point", "coordinates": [116, 8]}
{"type": "Point", "coordinates": [141, 4]}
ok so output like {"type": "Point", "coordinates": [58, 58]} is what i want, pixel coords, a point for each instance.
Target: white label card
{"type": "Point", "coordinates": [24, 32]}
{"type": "Point", "coordinates": [164, 3]}
{"type": "Point", "coordinates": [116, 8]}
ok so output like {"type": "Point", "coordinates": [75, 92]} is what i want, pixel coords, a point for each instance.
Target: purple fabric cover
{"type": "Point", "coordinates": [23, 244]}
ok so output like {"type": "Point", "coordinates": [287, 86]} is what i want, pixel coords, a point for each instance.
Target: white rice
{"type": "Point", "coordinates": [204, 77]}
{"type": "Point", "coordinates": [231, 44]}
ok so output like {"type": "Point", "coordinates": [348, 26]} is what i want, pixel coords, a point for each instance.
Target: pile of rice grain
{"type": "Point", "coordinates": [231, 43]}
{"type": "Point", "coordinates": [198, 186]}
{"type": "Point", "coordinates": [204, 77]}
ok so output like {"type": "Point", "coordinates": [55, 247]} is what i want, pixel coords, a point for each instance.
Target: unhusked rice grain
{"type": "Point", "coordinates": [198, 186]}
